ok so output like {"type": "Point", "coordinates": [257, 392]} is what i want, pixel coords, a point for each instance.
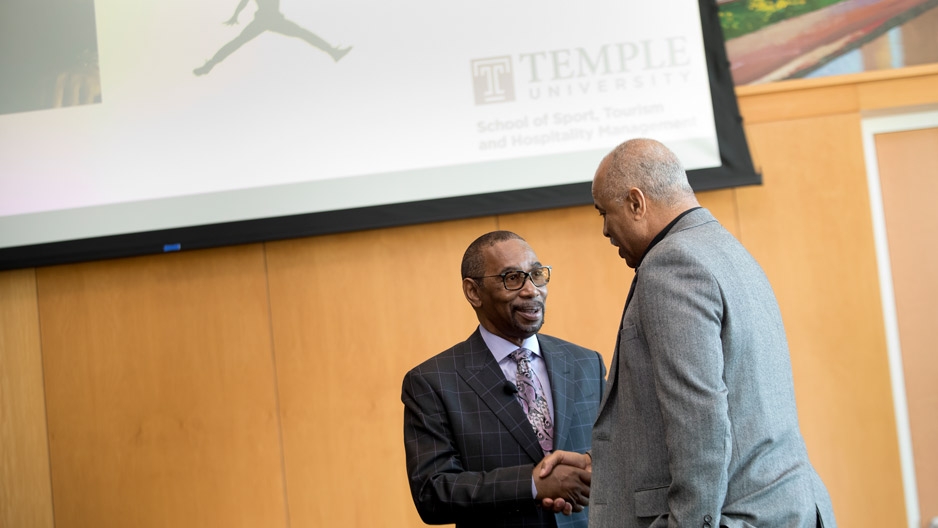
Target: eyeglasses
{"type": "Point", "coordinates": [514, 280]}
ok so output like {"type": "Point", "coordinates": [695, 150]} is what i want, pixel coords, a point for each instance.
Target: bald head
{"type": "Point", "coordinates": [648, 165]}
{"type": "Point", "coordinates": [639, 188]}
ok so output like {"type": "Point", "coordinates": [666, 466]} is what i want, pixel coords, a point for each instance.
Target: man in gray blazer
{"type": "Point", "coordinates": [698, 425]}
{"type": "Point", "coordinates": [471, 448]}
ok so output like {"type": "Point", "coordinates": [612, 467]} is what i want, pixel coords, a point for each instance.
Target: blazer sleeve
{"type": "Point", "coordinates": [443, 488]}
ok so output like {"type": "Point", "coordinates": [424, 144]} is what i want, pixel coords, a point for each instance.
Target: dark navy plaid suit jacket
{"type": "Point", "coordinates": [470, 449]}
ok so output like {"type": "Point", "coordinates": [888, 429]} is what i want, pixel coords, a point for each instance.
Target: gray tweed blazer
{"type": "Point", "coordinates": [698, 425]}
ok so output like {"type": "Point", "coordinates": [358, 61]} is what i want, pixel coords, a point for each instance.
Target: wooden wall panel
{"type": "Point", "coordinates": [809, 225]}
{"type": "Point", "coordinates": [25, 490]}
{"type": "Point", "coordinates": [798, 103]}
{"type": "Point", "coordinates": [849, 94]}
{"type": "Point", "coordinates": [352, 313]}
{"type": "Point", "coordinates": [906, 91]}
{"type": "Point", "coordinates": [723, 204]}
{"type": "Point", "coordinates": [160, 391]}
{"type": "Point", "coordinates": [908, 173]}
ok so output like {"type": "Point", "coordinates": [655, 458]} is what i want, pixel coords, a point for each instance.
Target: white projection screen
{"type": "Point", "coordinates": [129, 128]}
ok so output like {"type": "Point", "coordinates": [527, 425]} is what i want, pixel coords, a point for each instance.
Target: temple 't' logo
{"type": "Point", "coordinates": [493, 80]}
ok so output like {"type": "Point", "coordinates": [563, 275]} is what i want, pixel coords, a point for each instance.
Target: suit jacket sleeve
{"type": "Point", "coordinates": [444, 488]}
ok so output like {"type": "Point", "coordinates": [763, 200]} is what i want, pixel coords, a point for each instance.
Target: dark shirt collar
{"type": "Point", "coordinates": [663, 233]}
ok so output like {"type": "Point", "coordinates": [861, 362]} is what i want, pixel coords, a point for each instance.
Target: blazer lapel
{"type": "Point", "coordinates": [482, 373]}
{"type": "Point", "coordinates": [614, 364]}
{"type": "Point", "coordinates": [562, 389]}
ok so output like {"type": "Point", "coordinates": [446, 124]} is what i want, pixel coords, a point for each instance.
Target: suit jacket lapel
{"type": "Point", "coordinates": [614, 364]}
{"type": "Point", "coordinates": [562, 389]}
{"type": "Point", "coordinates": [480, 370]}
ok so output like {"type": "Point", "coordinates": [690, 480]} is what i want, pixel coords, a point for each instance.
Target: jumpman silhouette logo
{"type": "Point", "coordinates": [267, 18]}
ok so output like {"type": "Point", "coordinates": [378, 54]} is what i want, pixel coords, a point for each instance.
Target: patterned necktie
{"type": "Point", "coordinates": [533, 401]}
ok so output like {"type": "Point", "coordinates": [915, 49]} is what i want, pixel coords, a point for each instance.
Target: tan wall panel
{"type": "Point", "coordinates": [352, 313]}
{"type": "Point", "coordinates": [809, 225]}
{"type": "Point", "coordinates": [798, 103]}
{"type": "Point", "coordinates": [723, 204]}
{"type": "Point", "coordinates": [890, 93]}
{"type": "Point", "coordinates": [25, 490]}
{"type": "Point", "coordinates": [160, 391]}
{"type": "Point", "coordinates": [838, 94]}
{"type": "Point", "coordinates": [908, 173]}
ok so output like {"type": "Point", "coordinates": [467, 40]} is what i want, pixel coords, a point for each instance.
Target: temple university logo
{"type": "Point", "coordinates": [493, 80]}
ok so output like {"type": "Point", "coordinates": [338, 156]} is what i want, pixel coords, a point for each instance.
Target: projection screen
{"type": "Point", "coordinates": [130, 128]}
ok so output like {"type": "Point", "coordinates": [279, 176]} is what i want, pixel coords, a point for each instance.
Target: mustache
{"type": "Point", "coordinates": [529, 306]}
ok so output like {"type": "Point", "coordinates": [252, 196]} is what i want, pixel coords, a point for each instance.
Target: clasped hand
{"type": "Point", "coordinates": [562, 480]}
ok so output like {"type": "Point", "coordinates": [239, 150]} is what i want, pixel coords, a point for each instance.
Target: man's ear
{"type": "Point", "coordinates": [636, 203]}
{"type": "Point", "coordinates": [470, 288]}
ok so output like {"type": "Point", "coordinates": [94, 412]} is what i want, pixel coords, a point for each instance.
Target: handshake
{"type": "Point", "coordinates": [562, 480]}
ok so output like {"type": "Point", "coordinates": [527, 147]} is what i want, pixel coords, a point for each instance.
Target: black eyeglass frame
{"type": "Point", "coordinates": [527, 275]}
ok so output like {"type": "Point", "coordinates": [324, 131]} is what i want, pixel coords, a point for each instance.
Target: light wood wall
{"type": "Point", "coordinates": [259, 385]}
{"type": "Point", "coordinates": [25, 489]}
{"type": "Point", "coordinates": [908, 165]}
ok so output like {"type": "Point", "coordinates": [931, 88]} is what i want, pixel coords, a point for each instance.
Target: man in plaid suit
{"type": "Point", "coordinates": [472, 453]}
